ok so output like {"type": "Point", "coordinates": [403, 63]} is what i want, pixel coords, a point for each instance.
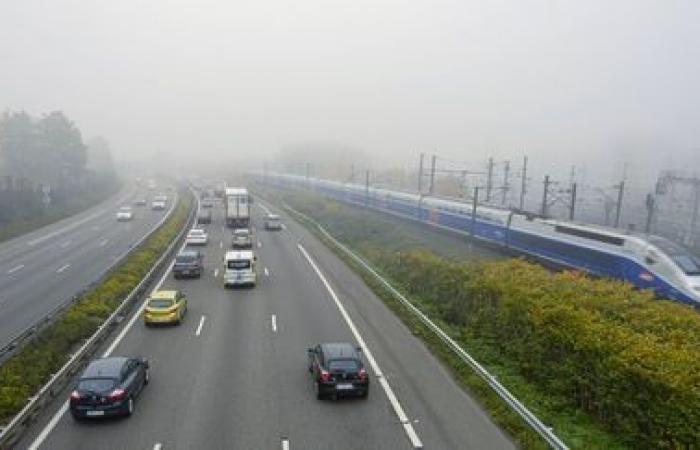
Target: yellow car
{"type": "Point", "coordinates": [165, 307]}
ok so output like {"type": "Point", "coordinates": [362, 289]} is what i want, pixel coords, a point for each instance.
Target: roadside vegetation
{"type": "Point", "coordinates": [47, 172]}
{"type": "Point", "coordinates": [30, 368]}
{"type": "Point", "coordinates": [607, 366]}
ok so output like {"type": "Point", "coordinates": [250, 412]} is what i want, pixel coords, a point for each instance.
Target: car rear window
{"type": "Point", "coordinates": [344, 365]}
{"type": "Point", "coordinates": [186, 258]}
{"type": "Point", "coordinates": [160, 303]}
{"type": "Point", "coordinates": [96, 384]}
{"type": "Point", "coordinates": [239, 264]}
{"type": "Point", "coordinates": [240, 233]}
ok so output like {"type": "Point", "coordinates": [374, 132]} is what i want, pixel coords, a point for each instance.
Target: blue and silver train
{"type": "Point", "coordinates": [647, 261]}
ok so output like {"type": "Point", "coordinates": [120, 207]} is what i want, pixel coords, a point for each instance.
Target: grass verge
{"type": "Point", "coordinates": [31, 367]}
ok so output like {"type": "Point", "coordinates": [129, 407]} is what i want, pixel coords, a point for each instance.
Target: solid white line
{"type": "Point", "coordinates": [284, 227]}
{"type": "Point", "coordinates": [15, 269]}
{"type": "Point", "coordinates": [66, 228]}
{"type": "Point", "coordinates": [259, 244]}
{"type": "Point", "coordinates": [398, 409]}
{"type": "Point", "coordinates": [65, 244]}
{"type": "Point", "coordinates": [221, 244]}
{"type": "Point", "coordinates": [64, 408]}
{"type": "Point", "coordinates": [267, 272]}
{"type": "Point", "coordinates": [201, 324]}
{"type": "Point", "coordinates": [103, 242]}
{"type": "Point", "coordinates": [274, 323]}
{"type": "Point", "coordinates": [264, 208]}
{"type": "Point", "coordinates": [62, 268]}
{"type": "Point", "coordinates": [285, 444]}
{"type": "Point", "coordinates": [216, 273]}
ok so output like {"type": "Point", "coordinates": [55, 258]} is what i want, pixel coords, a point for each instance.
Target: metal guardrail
{"type": "Point", "coordinates": [10, 434]}
{"type": "Point", "coordinates": [536, 424]}
{"type": "Point", "coordinates": [33, 330]}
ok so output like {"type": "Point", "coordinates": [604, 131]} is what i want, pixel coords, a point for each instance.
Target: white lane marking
{"type": "Point", "coordinates": [62, 268]}
{"type": "Point", "coordinates": [64, 408]}
{"type": "Point", "coordinates": [103, 242]}
{"type": "Point", "coordinates": [96, 228]}
{"type": "Point", "coordinates": [398, 409]}
{"type": "Point", "coordinates": [201, 324]}
{"type": "Point", "coordinates": [285, 444]}
{"type": "Point", "coordinates": [264, 208]}
{"type": "Point", "coordinates": [267, 272]}
{"type": "Point", "coordinates": [221, 244]}
{"type": "Point", "coordinates": [273, 320]}
{"type": "Point", "coordinates": [157, 446]}
{"type": "Point", "coordinates": [65, 244]}
{"type": "Point", "coordinates": [64, 229]}
{"type": "Point", "coordinates": [216, 273]}
{"type": "Point", "coordinates": [15, 269]}
{"type": "Point", "coordinates": [284, 227]}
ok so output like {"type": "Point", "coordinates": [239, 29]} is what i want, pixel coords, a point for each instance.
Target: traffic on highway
{"type": "Point", "coordinates": [278, 345]}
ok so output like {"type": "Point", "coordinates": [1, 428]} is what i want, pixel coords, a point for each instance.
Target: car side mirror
{"type": "Point", "coordinates": [144, 361]}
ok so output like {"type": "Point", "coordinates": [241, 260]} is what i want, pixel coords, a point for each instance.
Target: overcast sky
{"type": "Point", "coordinates": [595, 82]}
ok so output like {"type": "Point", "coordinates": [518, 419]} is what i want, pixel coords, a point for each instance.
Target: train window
{"type": "Point", "coordinates": [586, 234]}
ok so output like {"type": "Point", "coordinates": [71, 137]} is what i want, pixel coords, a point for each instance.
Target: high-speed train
{"type": "Point", "coordinates": [647, 261]}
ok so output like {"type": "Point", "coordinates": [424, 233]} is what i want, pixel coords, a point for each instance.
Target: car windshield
{"type": "Point", "coordinates": [344, 365]}
{"type": "Point", "coordinates": [160, 303]}
{"type": "Point", "coordinates": [238, 264]}
{"type": "Point", "coordinates": [96, 384]}
{"type": "Point", "coordinates": [188, 258]}
{"type": "Point", "coordinates": [196, 233]}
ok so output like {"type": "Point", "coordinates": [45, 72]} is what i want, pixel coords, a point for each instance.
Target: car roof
{"type": "Point", "coordinates": [165, 295]}
{"type": "Point", "coordinates": [338, 350]}
{"type": "Point", "coordinates": [190, 253]}
{"type": "Point", "coordinates": [197, 230]}
{"type": "Point", "coordinates": [273, 216]}
{"type": "Point", "coordinates": [242, 254]}
{"type": "Point", "coordinates": [105, 367]}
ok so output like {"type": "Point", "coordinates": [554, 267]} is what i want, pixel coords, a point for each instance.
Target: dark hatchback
{"type": "Point", "coordinates": [188, 263]}
{"type": "Point", "coordinates": [337, 370]}
{"type": "Point", "coordinates": [108, 387]}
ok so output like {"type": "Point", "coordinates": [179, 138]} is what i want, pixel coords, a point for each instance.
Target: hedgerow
{"type": "Point", "coordinates": [25, 372]}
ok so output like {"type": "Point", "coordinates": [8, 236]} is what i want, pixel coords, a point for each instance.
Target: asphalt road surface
{"type": "Point", "coordinates": [233, 375]}
{"type": "Point", "coordinates": [44, 268]}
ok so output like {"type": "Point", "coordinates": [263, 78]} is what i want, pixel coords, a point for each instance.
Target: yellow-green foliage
{"type": "Point", "coordinates": [25, 372]}
{"type": "Point", "coordinates": [629, 360]}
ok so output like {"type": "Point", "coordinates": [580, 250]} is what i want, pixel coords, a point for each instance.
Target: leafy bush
{"type": "Point", "coordinates": [26, 371]}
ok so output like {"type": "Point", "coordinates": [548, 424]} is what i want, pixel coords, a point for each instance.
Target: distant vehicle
{"type": "Point", "coordinates": [204, 216]}
{"type": "Point", "coordinates": [188, 263]}
{"type": "Point", "coordinates": [237, 207]}
{"type": "Point", "coordinates": [337, 370]}
{"type": "Point", "coordinates": [273, 222]}
{"type": "Point", "coordinates": [197, 236]}
{"type": "Point", "coordinates": [207, 203]}
{"type": "Point", "coordinates": [165, 307]}
{"type": "Point", "coordinates": [157, 205]}
{"type": "Point", "coordinates": [109, 387]}
{"type": "Point", "coordinates": [140, 202]}
{"type": "Point", "coordinates": [240, 268]}
{"type": "Point", "coordinates": [125, 214]}
{"type": "Point", "coordinates": [241, 239]}
{"type": "Point", "coordinates": [151, 185]}
{"type": "Point", "coordinates": [161, 198]}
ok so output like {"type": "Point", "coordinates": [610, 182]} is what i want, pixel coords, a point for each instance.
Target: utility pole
{"type": "Point", "coordinates": [433, 161]}
{"type": "Point", "coordinates": [489, 181]}
{"type": "Point", "coordinates": [474, 205]}
{"type": "Point", "coordinates": [420, 174]}
{"type": "Point", "coordinates": [544, 194]}
{"type": "Point", "coordinates": [523, 184]}
{"type": "Point", "coordinates": [650, 212]}
{"type": "Point", "coordinates": [620, 192]}
{"type": "Point", "coordinates": [572, 206]}
{"type": "Point", "coordinates": [506, 185]}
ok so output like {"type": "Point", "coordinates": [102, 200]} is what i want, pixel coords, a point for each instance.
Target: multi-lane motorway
{"type": "Point", "coordinates": [42, 269]}
{"type": "Point", "coordinates": [234, 374]}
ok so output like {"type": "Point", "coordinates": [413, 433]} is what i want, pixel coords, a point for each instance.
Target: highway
{"type": "Point", "coordinates": [44, 268]}
{"type": "Point", "coordinates": [234, 374]}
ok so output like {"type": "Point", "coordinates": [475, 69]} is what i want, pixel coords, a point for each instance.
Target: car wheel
{"type": "Point", "coordinates": [147, 377]}
{"type": "Point", "coordinates": [76, 417]}
{"type": "Point", "coordinates": [317, 390]}
{"type": "Point", "coordinates": [130, 406]}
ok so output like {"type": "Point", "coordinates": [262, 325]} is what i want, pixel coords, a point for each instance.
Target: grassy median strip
{"type": "Point", "coordinates": [604, 364]}
{"type": "Point", "coordinates": [26, 371]}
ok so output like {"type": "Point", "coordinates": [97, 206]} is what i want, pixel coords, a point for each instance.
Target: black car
{"type": "Point", "coordinates": [204, 216]}
{"type": "Point", "coordinates": [108, 387]}
{"type": "Point", "coordinates": [188, 263]}
{"type": "Point", "coordinates": [337, 370]}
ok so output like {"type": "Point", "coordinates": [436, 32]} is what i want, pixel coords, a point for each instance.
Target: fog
{"type": "Point", "coordinates": [597, 83]}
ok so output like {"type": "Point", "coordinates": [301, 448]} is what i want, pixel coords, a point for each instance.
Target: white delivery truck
{"type": "Point", "coordinates": [240, 268]}
{"type": "Point", "coordinates": [237, 207]}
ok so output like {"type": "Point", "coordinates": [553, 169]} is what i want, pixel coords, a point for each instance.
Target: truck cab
{"type": "Point", "coordinates": [240, 268]}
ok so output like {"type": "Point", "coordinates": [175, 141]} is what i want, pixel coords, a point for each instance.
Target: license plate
{"type": "Point", "coordinates": [343, 387]}
{"type": "Point", "coordinates": [95, 413]}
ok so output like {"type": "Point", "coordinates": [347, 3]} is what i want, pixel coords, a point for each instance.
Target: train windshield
{"type": "Point", "coordinates": [683, 259]}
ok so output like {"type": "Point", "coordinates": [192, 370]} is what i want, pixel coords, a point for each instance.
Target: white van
{"type": "Point", "coordinates": [240, 268]}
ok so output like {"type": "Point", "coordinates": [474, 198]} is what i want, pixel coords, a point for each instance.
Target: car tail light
{"type": "Point", "coordinates": [325, 376]}
{"type": "Point", "coordinates": [117, 394]}
{"type": "Point", "coordinates": [75, 396]}
{"type": "Point", "coordinates": [362, 374]}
